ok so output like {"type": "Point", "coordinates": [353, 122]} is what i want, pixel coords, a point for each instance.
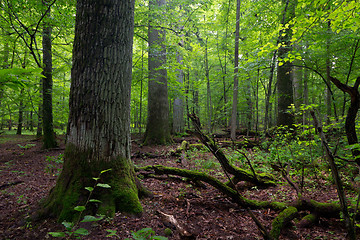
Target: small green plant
{"type": "Point", "coordinates": [27, 146]}
{"type": "Point", "coordinates": [142, 234]}
{"type": "Point", "coordinates": [71, 228]}
{"type": "Point", "coordinates": [21, 199]}
{"type": "Point", "coordinates": [53, 164]}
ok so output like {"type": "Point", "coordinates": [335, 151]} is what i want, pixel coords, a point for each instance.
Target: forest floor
{"type": "Point", "coordinates": [26, 177]}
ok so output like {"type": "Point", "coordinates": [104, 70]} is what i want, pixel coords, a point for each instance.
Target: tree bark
{"type": "Point", "coordinates": [157, 128]}
{"type": "Point", "coordinates": [178, 115]}
{"type": "Point", "coordinates": [208, 89]}
{"type": "Point", "coordinates": [236, 71]}
{"type": "Point", "coordinates": [284, 76]}
{"type": "Point", "coordinates": [98, 136]}
{"type": "Point", "coordinates": [49, 140]}
{"type": "Point", "coordinates": [21, 113]}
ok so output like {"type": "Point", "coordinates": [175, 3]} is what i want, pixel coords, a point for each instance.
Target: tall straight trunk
{"type": "Point", "coordinates": [10, 117]}
{"type": "Point", "coordinates": [49, 140]}
{"type": "Point", "coordinates": [298, 87]}
{"type": "Point", "coordinates": [21, 113]}
{"type": "Point", "coordinates": [208, 89]}
{"type": "Point", "coordinates": [5, 64]}
{"type": "Point", "coordinates": [187, 87]}
{"type": "Point", "coordinates": [256, 93]}
{"type": "Point", "coordinates": [141, 90]}
{"type": "Point", "coordinates": [267, 120]}
{"type": "Point", "coordinates": [31, 121]}
{"type": "Point", "coordinates": [328, 74]}
{"type": "Point", "coordinates": [284, 75]}
{"type": "Point", "coordinates": [233, 124]}
{"type": "Point", "coordinates": [178, 114]}
{"type": "Point", "coordinates": [157, 127]}
{"type": "Point", "coordinates": [98, 136]}
{"type": "Point", "coordinates": [249, 115]}
{"type": "Point", "coordinates": [39, 129]}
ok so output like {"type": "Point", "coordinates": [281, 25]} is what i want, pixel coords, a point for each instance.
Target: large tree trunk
{"type": "Point", "coordinates": [49, 135]}
{"type": "Point", "coordinates": [157, 128]}
{"type": "Point", "coordinates": [284, 76]}
{"type": "Point", "coordinates": [98, 135]}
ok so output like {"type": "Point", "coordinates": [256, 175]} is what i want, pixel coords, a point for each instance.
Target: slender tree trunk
{"type": "Point", "coordinates": [249, 115]}
{"type": "Point", "coordinates": [39, 130]}
{"type": "Point", "coordinates": [208, 89]}
{"type": "Point", "coordinates": [306, 96]}
{"type": "Point", "coordinates": [5, 65]}
{"type": "Point", "coordinates": [267, 120]}
{"type": "Point", "coordinates": [98, 136]}
{"type": "Point", "coordinates": [49, 135]}
{"type": "Point", "coordinates": [157, 128]}
{"type": "Point", "coordinates": [297, 86]}
{"type": "Point", "coordinates": [141, 90]}
{"type": "Point", "coordinates": [187, 87]}
{"type": "Point", "coordinates": [236, 71]}
{"type": "Point", "coordinates": [21, 113]}
{"type": "Point", "coordinates": [257, 102]}
{"type": "Point", "coordinates": [178, 114]}
{"type": "Point", "coordinates": [328, 74]}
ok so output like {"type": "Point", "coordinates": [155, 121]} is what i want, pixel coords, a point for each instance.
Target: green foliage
{"type": "Point", "coordinates": [142, 234]}
{"type": "Point", "coordinates": [27, 146]}
{"type": "Point", "coordinates": [54, 164]}
{"type": "Point", "coordinates": [71, 228]}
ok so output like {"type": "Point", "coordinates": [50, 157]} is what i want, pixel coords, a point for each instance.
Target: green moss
{"type": "Point", "coordinates": [78, 173]}
{"type": "Point", "coordinates": [168, 232]}
{"type": "Point", "coordinates": [308, 220]}
{"type": "Point", "coordinates": [279, 222]}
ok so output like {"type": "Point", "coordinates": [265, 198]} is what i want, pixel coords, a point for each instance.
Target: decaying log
{"type": "Point", "coordinates": [241, 174]}
{"type": "Point", "coordinates": [281, 220]}
{"type": "Point", "coordinates": [308, 220]}
{"type": "Point", "coordinates": [222, 187]}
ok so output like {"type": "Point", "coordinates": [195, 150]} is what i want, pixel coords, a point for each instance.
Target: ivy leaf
{"type": "Point", "coordinates": [103, 185]}
{"type": "Point", "coordinates": [81, 231]}
{"type": "Point", "coordinates": [67, 225]}
{"type": "Point", "coordinates": [95, 201]}
{"type": "Point", "coordinates": [57, 234]}
{"type": "Point", "coordinates": [89, 218]}
{"type": "Point", "coordinates": [90, 189]}
{"type": "Point", "coordinates": [79, 208]}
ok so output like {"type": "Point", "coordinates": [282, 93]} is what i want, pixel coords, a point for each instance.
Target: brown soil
{"type": "Point", "coordinates": [25, 178]}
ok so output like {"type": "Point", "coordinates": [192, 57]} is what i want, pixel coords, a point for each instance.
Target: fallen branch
{"type": "Point", "coordinates": [170, 219]}
{"type": "Point", "coordinates": [281, 220]}
{"type": "Point", "coordinates": [348, 222]}
{"type": "Point", "coordinates": [260, 179]}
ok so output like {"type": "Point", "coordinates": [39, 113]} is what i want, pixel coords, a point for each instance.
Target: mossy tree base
{"type": "Point", "coordinates": [78, 173]}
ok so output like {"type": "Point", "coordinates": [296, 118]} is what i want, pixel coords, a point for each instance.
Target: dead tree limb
{"type": "Point", "coordinates": [337, 179]}
{"type": "Point", "coordinates": [241, 174]}
{"type": "Point", "coordinates": [281, 220]}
